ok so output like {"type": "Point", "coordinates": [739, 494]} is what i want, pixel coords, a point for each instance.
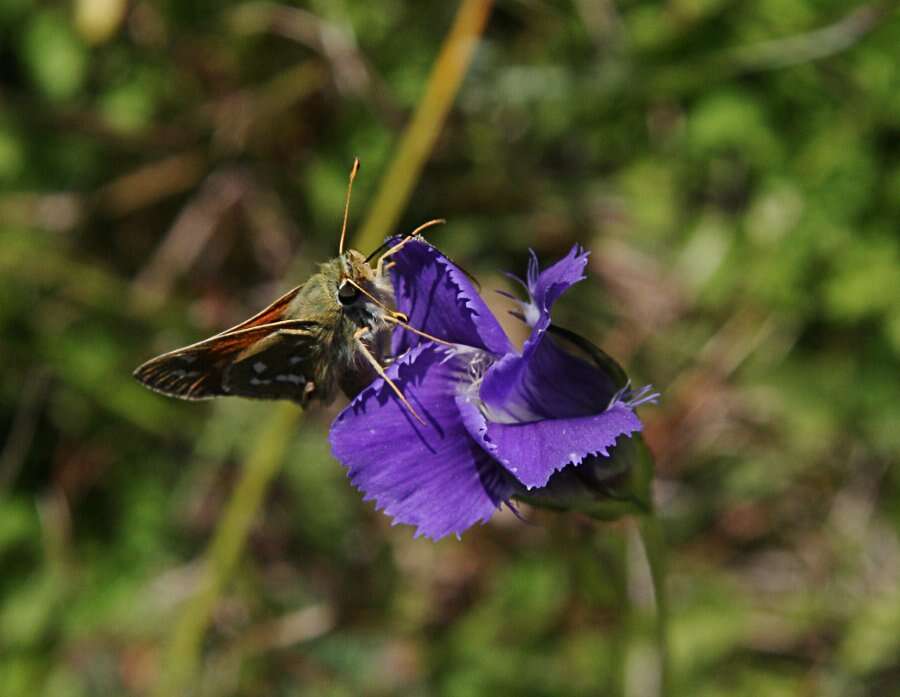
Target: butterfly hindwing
{"type": "Point", "coordinates": [280, 366]}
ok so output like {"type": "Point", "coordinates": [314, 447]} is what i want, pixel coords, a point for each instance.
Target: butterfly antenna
{"type": "Point", "coordinates": [409, 235]}
{"type": "Point", "coordinates": [425, 226]}
{"type": "Point", "coordinates": [347, 204]}
{"type": "Point", "coordinates": [406, 238]}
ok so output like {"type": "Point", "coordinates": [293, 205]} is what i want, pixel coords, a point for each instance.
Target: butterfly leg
{"type": "Point", "coordinates": [362, 331]}
{"type": "Point", "coordinates": [395, 319]}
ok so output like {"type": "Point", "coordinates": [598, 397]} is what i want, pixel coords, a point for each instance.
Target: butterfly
{"type": "Point", "coordinates": [330, 333]}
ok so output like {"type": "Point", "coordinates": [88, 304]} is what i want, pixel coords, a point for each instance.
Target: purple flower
{"type": "Point", "coordinates": [540, 424]}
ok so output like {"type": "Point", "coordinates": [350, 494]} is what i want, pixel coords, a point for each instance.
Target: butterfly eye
{"type": "Point", "coordinates": [347, 293]}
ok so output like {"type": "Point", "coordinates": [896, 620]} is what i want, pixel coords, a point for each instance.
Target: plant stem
{"type": "Point", "coordinates": [419, 137]}
{"type": "Point", "coordinates": [653, 540]}
{"type": "Point", "coordinates": [613, 550]}
{"type": "Point", "coordinates": [229, 539]}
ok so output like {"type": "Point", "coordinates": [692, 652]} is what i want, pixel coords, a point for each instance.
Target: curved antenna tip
{"type": "Point", "coordinates": [347, 205]}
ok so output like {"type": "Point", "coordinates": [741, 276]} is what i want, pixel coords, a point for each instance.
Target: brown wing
{"type": "Point", "coordinates": [197, 371]}
{"type": "Point", "coordinates": [287, 364]}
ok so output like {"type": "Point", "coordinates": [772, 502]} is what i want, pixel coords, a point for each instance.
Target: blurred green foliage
{"type": "Point", "coordinates": [167, 168]}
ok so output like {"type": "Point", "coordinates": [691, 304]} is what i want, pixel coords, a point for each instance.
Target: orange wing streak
{"type": "Point", "coordinates": [273, 313]}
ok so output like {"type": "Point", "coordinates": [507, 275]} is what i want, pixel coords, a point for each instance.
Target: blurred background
{"type": "Point", "coordinates": [168, 168]}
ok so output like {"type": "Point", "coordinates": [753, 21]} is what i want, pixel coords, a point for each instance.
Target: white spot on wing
{"type": "Point", "coordinates": [291, 378]}
{"type": "Point", "coordinates": [182, 374]}
{"type": "Point", "coordinates": [259, 367]}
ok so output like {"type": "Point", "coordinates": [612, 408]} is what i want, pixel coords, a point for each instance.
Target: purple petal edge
{"type": "Point", "coordinates": [440, 300]}
{"type": "Point", "coordinates": [436, 478]}
{"type": "Point", "coordinates": [546, 286]}
{"type": "Point", "coordinates": [510, 384]}
{"type": "Point", "coordinates": [532, 452]}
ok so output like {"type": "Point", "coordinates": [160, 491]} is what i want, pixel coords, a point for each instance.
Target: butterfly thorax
{"type": "Point", "coordinates": [344, 319]}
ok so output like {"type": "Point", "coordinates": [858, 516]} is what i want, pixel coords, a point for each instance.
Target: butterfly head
{"type": "Point", "coordinates": [359, 290]}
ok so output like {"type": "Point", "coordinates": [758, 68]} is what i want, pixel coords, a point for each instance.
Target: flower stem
{"type": "Point", "coordinates": [613, 548]}
{"type": "Point", "coordinates": [183, 654]}
{"type": "Point", "coordinates": [653, 541]}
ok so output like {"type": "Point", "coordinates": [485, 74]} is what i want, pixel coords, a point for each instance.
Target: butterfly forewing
{"type": "Point", "coordinates": [198, 371]}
